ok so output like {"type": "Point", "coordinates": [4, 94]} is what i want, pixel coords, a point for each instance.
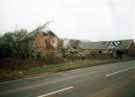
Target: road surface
{"type": "Point", "coordinates": [111, 80]}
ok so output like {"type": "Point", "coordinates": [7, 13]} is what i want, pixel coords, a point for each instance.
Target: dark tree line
{"type": "Point", "coordinates": [15, 44]}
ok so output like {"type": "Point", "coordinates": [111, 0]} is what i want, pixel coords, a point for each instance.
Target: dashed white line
{"type": "Point", "coordinates": [55, 92]}
{"type": "Point", "coordinates": [120, 71]}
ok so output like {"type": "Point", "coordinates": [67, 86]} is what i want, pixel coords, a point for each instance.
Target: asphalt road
{"type": "Point", "coordinates": [111, 80]}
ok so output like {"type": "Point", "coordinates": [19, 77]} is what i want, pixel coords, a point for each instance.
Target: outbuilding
{"type": "Point", "coordinates": [115, 49]}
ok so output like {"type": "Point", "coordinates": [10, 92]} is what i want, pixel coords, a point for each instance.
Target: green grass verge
{"type": "Point", "coordinates": [69, 65]}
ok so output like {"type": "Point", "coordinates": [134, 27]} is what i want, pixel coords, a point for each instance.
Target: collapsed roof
{"type": "Point", "coordinates": [120, 44]}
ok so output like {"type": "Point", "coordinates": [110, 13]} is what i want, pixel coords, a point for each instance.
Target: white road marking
{"type": "Point", "coordinates": [54, 92]}
{"type": "Point", "coordinates": [120, 71]}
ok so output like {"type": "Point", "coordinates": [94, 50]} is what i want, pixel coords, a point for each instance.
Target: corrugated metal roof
{"type": "Point", "coordinates": [120, 44]}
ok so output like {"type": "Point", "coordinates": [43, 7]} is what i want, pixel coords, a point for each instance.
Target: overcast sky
{"type": "Point", "coordinates": [93, 20]}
